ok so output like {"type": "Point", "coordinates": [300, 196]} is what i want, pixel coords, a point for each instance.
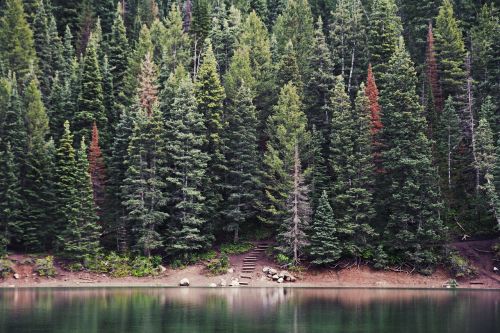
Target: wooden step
{"type": "Point", "coordinates": [249, 259]}
{"type": "Point", "coordinates": [243, 283]}
{"type": "Point", "coordinates": [248, 270]}
{"type": "Point", "coordinates": [244, 276]}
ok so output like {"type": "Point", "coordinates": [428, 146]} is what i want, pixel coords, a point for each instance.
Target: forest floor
{"type": "Point", "coordinates": [477, 252]}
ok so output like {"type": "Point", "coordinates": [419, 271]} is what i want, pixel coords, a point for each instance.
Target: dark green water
{"type": "Point", "coordinates": [259, 310]}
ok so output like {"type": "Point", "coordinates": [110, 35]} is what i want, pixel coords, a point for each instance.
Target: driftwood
{"type": "Point", "coordinates": [482, 251]}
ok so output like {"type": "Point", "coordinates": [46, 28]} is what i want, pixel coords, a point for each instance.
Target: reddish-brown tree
{"type": "Point", "coordinates": [147, 90]}
{"type": "Point", "coordinates": [431, 71]}
{"type": "Point", "coordinates": [97, 169]}
{"type": "Point", "coordinates": [371, 92]}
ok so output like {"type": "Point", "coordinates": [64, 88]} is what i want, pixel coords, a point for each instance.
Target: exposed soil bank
{"type": "Point", "coordinates": [362, 276]}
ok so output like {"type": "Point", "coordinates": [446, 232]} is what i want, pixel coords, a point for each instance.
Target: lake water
{"type": "Point", "coordinates": [248, 310]}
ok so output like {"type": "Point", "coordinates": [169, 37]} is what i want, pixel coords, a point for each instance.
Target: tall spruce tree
{"type": "Point", "coordinates": [385, 29]}
{"type": "Point", "coordinates": [91, 98]}
{"type": "Point", "coordinates": [286, 129]}
{"type": "Point", "coordinates": [175, 46]}
{"type": "Point", "coordinates": [325, 247]}
{"type": "Point", "coordinates": [11, 203]}
{"type": "Point", "coordinates": [414, 232]}
{"type": "Point", "coordinates": [81, 233]}
{"type": "Point", "coordinates": [348, 40]}
{"type": "Point", "coordinates": [118, 51]}
{"type": "Point", "coordinates": [451, 54]}
{"type": "Point", "coordinates": [320, 85]}
{"type": "Point", "coordinates": [186, 136]}
{"type": "Point", "coordinates": [296, 24]}
{"type": "Point", "coordinates": [350, 161]}
{"type": "Point", "coordinates": [17, 49]}
{"type": "Point", "coordinates": [242, 155]}
{"type": "Point", "coordinates": [210, 99]}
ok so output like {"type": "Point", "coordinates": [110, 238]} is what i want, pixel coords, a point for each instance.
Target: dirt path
{"type": "Point", "coordinates": [480, 255]}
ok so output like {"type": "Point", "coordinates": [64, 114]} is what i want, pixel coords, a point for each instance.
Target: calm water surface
{"type": "Point", "coordinates": [248, 310]}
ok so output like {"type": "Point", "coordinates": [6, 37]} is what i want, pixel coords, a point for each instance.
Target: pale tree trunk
{"type": "Point", "coordinates": [471, 124]}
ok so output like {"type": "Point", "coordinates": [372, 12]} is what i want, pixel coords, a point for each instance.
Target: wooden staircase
{"type": "Point", "coordinates": [250, 262]}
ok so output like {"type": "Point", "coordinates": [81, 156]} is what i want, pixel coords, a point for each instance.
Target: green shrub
{"type": "Point", "coordinates": [236, 248]}
{"type": "Point", "coordinates": [5, 268]}
{"type": "Point", "coordinates": [283, 260]}
{"type": "Point", "coordinates": [496, 251]}
{"type": "Point", "coordinates": [218, 266]}
{"type": "Point", "coordinates": [45, 267]}
{"type": "Point", "coordinates": [143, 266]}
{"type": "Point", "coordinates": [460, 266]}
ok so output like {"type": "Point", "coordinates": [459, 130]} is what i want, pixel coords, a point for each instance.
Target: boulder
{"type": "Point", "coordinates": [231, 270]}
{"type": "Point", "coordinates": [184, 283]}
{"type": "Point", "coordinates": [222, 283]}
{"type": "Point", "coordinates": [266, 269]}
{"type": "Point", "coordinates": [272, 271]}
{"type": "Point", "coordinates": [163, 269]}
{"type": "Point", "coordinates": [291, 279]}
{"type": "Point", "coordinates": [234, 283]}
{"type": "Point", "coordinates": [16, 276]}
{"type": "Point", "coordinates": [495, 269]}
{"type": "Point", "coordinates": [280, 280]}
{"type": "Point", "coordinates": [275, 277]}
{"type": "Point", "coordinates": [212, 285]}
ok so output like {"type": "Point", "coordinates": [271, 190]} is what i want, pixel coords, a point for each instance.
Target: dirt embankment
{"type": "Point", "coordinates": [477, 252]}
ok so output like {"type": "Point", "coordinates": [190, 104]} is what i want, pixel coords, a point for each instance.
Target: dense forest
{"type": "Point", "coordinates": [358, 129]}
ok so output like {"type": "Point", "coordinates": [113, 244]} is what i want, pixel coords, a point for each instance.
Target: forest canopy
{"type": "Point", "coordinates": [359, 129]}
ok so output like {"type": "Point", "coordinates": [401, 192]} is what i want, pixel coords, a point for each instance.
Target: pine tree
{"type": "Point", "coordinates": [37, 185]}
{"type": "Point", "coordinates": [118, 52]}
{"type": "Point", "coordinates": [485, 56]}
{"type": "Point", "coordinates": [58, 62]}
{"type": "Point", "coordinates": [91, 98]}
{"type": "Point", "coordinates": [199, 29]}
{"type": "Point", "coordinates": [351, 160]}
{"type": "Point", "coordinates": [175, 44]}
{"type": "Point", "coordinates": [240, 70]}
{"type": "Point", "coordinates": [210, 99]}
{"type": "Point", "coordinates": [143, 46]}
{"type": "Point", "coordinates": [288, 70]}
{"type": "Point", "coordinates": [385, 29]}
{"type": "Point", "coordinates": [486, 161]}
{"type": "Point", "coordinates": [325, 247]}
{"type": "Point", "coordinates": [224, 35]}
{"type": "Point", "coordinates": [117, 174]}
{"type": "Point", "coordinates": [81, 232]}
{"type": "Point", "coordinates": [416, 16]}
{"type": "Point", "coordinates": [296, 24]}
{"type": "Point", "coordinates": [144, 187]}
{"type": "Point", "coordinates": [275, 8]}
{"type": "Point", "coordinates": [317, 177]}
{"type": "Point", "coordinates": [320, 85]}
{"type": "Point", "coordinates": [450, 53]}
{"type": "Point", "coordinates": [186, 137]}
{"type": "Point", "coordinates": [448, 138]}
{"type": "Point", "coordinates": [13, 126]}
{"type": "Point", "coordinates": [286, 129]}
{"type": "Point", "coordinates": [10, 198]}
{"type": "Point", "coordinates": [349, 42]}
{"type": "Point", "coordinates": [292, 236]}
{"type": "Point", "coordinates": [17, 49]}
{"type": "Point", "coordinates": [105, 10]}
{"type": "Point", "coordinates": [244, 176]}
{"type": "Point", "coordinates": [43, 48]}
{"type": "Point", "coordinates": [414, 232]}
{"type": "Point", "coordinates": [65, 187]}
{"type": "Point", "coordinates": [255, 38]}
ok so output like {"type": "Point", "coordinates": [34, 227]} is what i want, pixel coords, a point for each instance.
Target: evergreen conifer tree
{"type": "Point", "coordinates": [186, 136]}
{"type": "Point", "coordinates": [118, 58]}
{"type": "Point", "coordinates": [287, 129]}
{"type": "Point", "coordinates": [17, 49]}
{"type": "Point", "coordinates": [210, 99]}
{"type": "Point", "coordinates": [414, 231]}
{"type": "Point", "coordinates": [91, 98]}
{"type": "Point", "coordinates": [383, 35]}
{"type": "Point", "coordinates": [325, 247]}
{"type": "Point", "coordinates": [244, 174]}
